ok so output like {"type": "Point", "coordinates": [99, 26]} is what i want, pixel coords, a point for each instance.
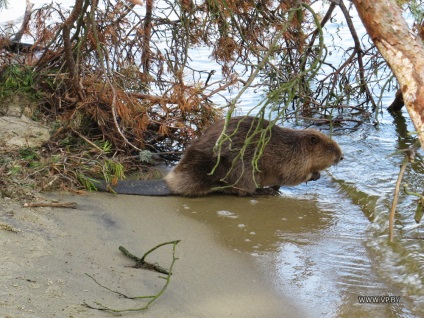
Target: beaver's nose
{"type": "Point", "coordinates": [338, 159]}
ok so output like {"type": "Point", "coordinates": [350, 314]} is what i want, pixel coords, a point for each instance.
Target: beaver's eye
{"type": "Point", "coordinates": [313, 140]}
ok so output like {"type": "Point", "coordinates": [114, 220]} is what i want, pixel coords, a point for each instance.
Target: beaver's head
{"type": "Point", "coordinates": [323, 152]}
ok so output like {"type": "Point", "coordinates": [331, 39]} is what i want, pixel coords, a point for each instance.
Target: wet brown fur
{"type": "Point", "coordinates": [289, 158]}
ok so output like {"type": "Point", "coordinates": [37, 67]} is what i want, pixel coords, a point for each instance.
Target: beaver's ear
{"type": "Point", "coordinates": [313, 140]}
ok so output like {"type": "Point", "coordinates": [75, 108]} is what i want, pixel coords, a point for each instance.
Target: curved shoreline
{"type": "Point", "coordinates": [45, 262]}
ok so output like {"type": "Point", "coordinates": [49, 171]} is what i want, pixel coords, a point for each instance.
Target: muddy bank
{"type": "Point", "coordinates": [44, 264]}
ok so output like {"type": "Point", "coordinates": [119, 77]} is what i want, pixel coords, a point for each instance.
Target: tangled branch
{"type": "Point", "coordinates": [140, 263]}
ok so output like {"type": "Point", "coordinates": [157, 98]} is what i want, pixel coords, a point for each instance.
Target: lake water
{"type": "Point", "coordinates": [325, 243]}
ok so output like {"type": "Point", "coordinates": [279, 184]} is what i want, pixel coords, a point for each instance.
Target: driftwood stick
{"type": "Point", "coordinates": [72, 205]}
{"type": "Point", "coordinates": [141, 263]}
{"type": "Point", "coordinates": [102, 307]}
{"type": "Point", "coordinates": [409, 157]}
{"type": "Point", "coordinates": [395, 197]}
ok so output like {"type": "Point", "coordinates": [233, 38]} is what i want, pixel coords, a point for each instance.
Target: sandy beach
{"type": "Point", "coordinates": [44, 264]}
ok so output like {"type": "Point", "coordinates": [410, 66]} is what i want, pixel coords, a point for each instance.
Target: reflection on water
{"type": "Point", "coordinates": [252, 225]}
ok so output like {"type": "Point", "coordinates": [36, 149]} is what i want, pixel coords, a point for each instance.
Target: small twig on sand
{"type": "Point", "coordinates": [72, 205]}
{"type": "Point", "coordinates": [140, 263]}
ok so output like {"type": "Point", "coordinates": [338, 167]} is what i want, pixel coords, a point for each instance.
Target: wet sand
{"type": "Point", "coordinates": [43, 265]}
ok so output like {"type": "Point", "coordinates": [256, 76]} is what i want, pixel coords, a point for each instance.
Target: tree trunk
{"type": "Point", "coordinates": [401, 49]}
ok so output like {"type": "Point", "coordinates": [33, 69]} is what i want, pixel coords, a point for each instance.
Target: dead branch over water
{"type": "Point", "coordinates": [409, 157]}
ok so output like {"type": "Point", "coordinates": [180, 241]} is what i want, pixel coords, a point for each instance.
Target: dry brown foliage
{"type": "Point", "coordinates": [120, 71]}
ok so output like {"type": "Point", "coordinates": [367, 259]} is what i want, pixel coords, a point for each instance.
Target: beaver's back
{"type": "Point", "coordinates": [288, 157]}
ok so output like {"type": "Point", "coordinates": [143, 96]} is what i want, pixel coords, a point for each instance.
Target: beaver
{"type": "Point", "coordinates": [288, 157]}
